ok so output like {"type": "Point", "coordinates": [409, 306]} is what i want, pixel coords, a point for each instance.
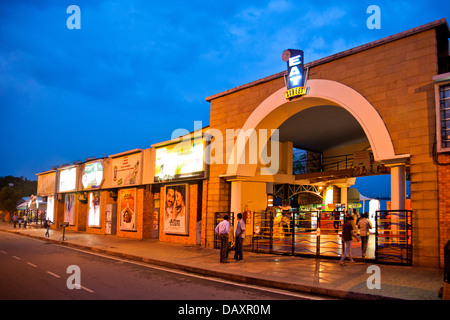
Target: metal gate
{"type": "Point", "coordinates": [394, 236]}
{"type": "Point", "coordinates": [317, 234]}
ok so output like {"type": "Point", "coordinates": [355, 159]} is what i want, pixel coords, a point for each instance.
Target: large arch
{"type": "Point", "coordinates": [275, 109]}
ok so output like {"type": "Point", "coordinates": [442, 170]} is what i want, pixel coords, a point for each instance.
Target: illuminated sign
{"type": "Point", "coordinates": [127, 170]}
{"type": "Point", "coordinates": [92, 175]}
{"type": "Point", "coordinates": [67, 179]}
{"type": "Point", "coordinates": [295, 79]}
{"type": "Point", "coordinates": [180, 161]}
{"type": "Point", "coordinates": [295, 92]}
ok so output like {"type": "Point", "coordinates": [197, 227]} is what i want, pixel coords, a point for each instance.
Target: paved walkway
{"type": "Point", "coordinates": [319, 276]}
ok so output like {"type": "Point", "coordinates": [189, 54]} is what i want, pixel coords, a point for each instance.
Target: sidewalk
{"type": "Point", "coordinates": [318, 276]}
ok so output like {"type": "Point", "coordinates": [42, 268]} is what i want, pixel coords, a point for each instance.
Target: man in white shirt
{"type": "Point", "coordinates": [222, 230]}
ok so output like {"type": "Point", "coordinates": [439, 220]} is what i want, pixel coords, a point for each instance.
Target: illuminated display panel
{"type": "Point", "coordinates": [67, 179]}
{"type": "Point", "coordinates": [92, 175]}
{"type": "Point", "coordinates": [180, 161]}
{"type": "Point", "coordinates": [94, 209]}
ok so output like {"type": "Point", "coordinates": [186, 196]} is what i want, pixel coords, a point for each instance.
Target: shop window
{"type": "Point", "coordinates": [444, 94]}
{"type": "Point", "coordinates": [442, 90]}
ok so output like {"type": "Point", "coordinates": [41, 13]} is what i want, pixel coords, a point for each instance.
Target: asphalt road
{"type": "Point", "coordinates": [31, 269]}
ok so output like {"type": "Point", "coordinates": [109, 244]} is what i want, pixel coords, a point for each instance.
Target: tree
{"type": "Point", "coordinates": [9, 199]}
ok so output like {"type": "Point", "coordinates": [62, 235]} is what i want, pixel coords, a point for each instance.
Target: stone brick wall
{"type": "Point", "coordinates": [444, 204]}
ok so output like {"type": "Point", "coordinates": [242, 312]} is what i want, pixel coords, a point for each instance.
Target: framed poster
{"type": "Point", "coordinates": [176, 213]}
{"type": "Point", "coordinates": [127, 209]}
{"type": "Point", "coordinates": [94, 209]}
{"type": "Point", "coordinates": [127, 170]}
{"type": "Point", "coordinates": [69, 208]}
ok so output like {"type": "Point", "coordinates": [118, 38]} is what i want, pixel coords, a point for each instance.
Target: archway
{"type": "Point", "coordinates": [275, 110]}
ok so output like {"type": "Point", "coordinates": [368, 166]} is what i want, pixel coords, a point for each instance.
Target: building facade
{"type": "Point", "coordinates": [380, 108]}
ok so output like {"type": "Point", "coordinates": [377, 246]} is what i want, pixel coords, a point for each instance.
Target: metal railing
{"type": "Point", "coordinates": [318, 234]}
{"type": "Point", "coordinates": [323, 164]}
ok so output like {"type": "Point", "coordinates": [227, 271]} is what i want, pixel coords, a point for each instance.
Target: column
{"type": "Point", "coordinates": [398, 187]}
{"type": "Point", "coordinates": [236, 197]}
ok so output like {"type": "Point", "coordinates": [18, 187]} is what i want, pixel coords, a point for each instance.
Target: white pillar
{"type": "Point", "coordinates": [236, 197]}
{"type": "Point", "coordinates": [398, 187]}
{"type": "Point", "coordinates": [344, 196]}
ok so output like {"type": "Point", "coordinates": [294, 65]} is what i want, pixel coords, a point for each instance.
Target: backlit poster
{"type": "Point", "coordinates": [69, 209]}
{"type": "Point", "coordinates": [94, 209]}
{"type": "Point", "coordinates": [175, 209]}
{"type": "Point", "coordinates": [127, 170]}
{"type": "Point", "coordinates": [92, 175]}
{"type": "Point", "coordinates": [127, 209]}
{"type": "Point", "coordinates": [67, 179]}
{"type": "Point", "coordinates": [180, 160]}
{"type": "Point", "coordinates": [50, 207]}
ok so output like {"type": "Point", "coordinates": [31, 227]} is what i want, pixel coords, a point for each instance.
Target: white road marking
{"type": "Point", "coordinates": [84, 288]}
{"type": "Point", "coordinates": [32, 264]}
{"type": "Point", "coordinates": [3, 251]}
{"type": "Point", "coordinates": [272, 290]}
{"type": "Point", "coordinates": [53, 274]}
{"type": "Point", "coordinates": [16, 257]}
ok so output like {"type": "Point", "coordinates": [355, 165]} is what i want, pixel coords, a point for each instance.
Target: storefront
{"type": "Point", "coordinates": [69, 208]}
{"type": "Point", "coordinates": [47, 190]}
{"type": "Point", "coordinates": [91, 194]}
{"type": "Point", "coordinates": [131, 211]}
{"type": "Point", "coordinates": [180, 188]}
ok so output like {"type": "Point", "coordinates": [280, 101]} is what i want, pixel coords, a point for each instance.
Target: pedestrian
{"type": "Point", "coordinates": [347, 235]}
{"type": "Point", "coordinates": [14, 219]}
{"type": "Point", "coordinates": [47, 225]}
{"type": "Point", "coordinates": [240, 235]}
{"type": "Point", "coordinates": [25, 221]}
{"type": "Point", "coordinates": [355, 217]}
{"type": "Point", "coordinates": [222, 230]}
{"type": "Point", "coordinates": [364, 225]}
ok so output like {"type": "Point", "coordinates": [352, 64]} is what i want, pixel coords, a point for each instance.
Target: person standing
{"type": "Point", "coordinates": [347, 235]}
{"type": "Point", "coordinates": [14, 219]}
{"type": "Point", "coordinates": [47, 224]}
{"type": "Point", "coordinates": [364, 225]}
{"type": "Point", "coordinates": [240, 235]}
{"type": "Point", "coordinates": [222, 230]}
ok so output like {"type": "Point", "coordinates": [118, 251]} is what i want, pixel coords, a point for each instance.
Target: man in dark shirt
{"type": "Point", "coordinates": [347, 235]}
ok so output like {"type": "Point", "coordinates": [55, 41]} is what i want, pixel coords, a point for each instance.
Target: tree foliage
{"type": "Point", "coordinates": [13, 189]}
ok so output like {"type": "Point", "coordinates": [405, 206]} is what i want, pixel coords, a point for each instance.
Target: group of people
{"type": "Point", "coordinates": [223, 232]}
{"type": "Point", "coordinates": [349, 233]}
{"type": "Point", "coordinates": [19, 220]}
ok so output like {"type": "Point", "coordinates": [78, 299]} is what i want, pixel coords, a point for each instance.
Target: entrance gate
{"type": "Point", "coordinates": [317, 234]}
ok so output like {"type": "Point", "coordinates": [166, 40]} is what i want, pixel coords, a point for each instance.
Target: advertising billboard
{"type": "Point", "coordinates": [68, 179]}
{"type": "Point", "coordinates": [180, 161]}
{"type": "Point", "coordinates": [127, 170]}
{"type": "Point", "coordinates": [176, 213]}
{"type": "Point", "coordinates": [92, 175]}
{"type": "Point", "coordinates": [127, 209]}
{"type": "Point", "coordinates": [94, 209]}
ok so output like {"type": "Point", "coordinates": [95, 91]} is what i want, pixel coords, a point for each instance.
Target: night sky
{"type": "Point", "coordinates": [137, 70]}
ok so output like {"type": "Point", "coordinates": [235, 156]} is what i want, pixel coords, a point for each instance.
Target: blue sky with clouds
{"type": "Point", "coordinates": [137, 70]}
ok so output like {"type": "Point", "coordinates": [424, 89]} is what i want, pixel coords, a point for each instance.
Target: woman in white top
{"type": "Point", "coordinates": [364, 225]}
